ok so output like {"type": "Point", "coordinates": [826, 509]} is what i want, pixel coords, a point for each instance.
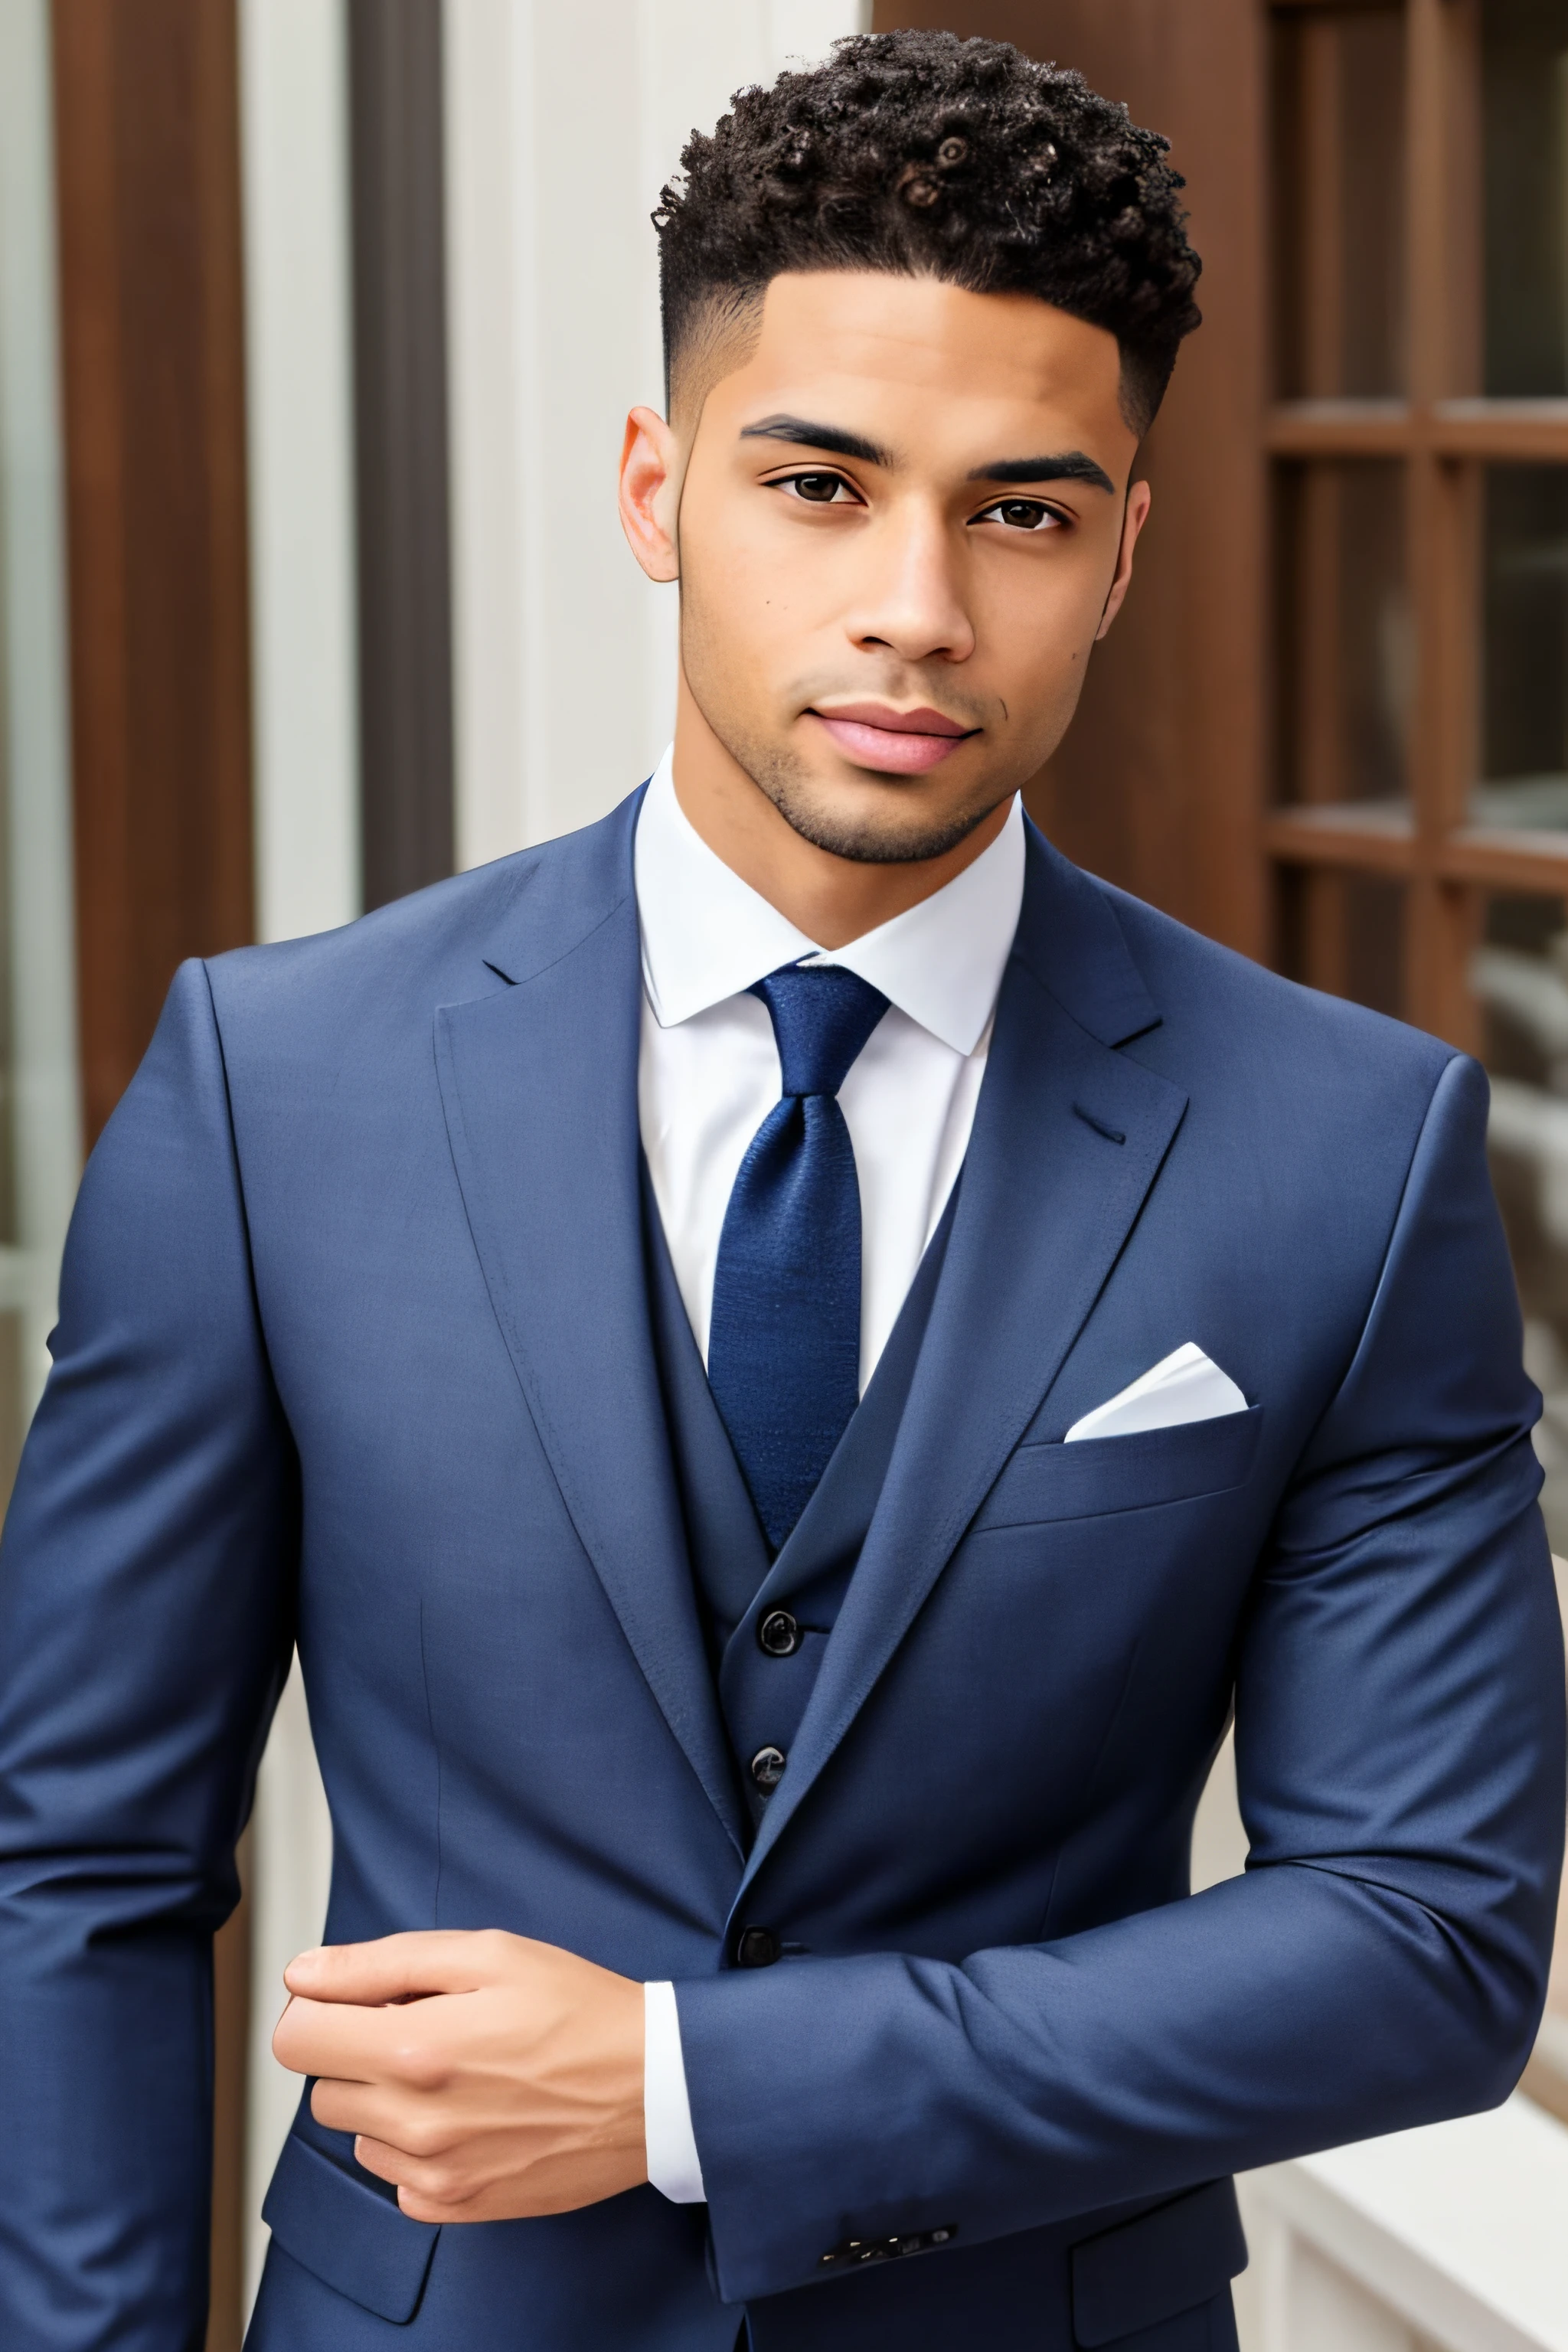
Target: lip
{"type": "Point", "coordinates": [894, 742]}
{"type": "Point", "coordinates": [895, 723]}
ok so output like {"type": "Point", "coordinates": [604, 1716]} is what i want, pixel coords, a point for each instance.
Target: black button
{"type": "Point", "coordinates": [758, 1948]}
{"type": "Point", "coordinates": [779, 1634]}
{"type": "Point", "coordinates": [884, 2250]}
{"type": "Point", "coordinates": [767, 1767]}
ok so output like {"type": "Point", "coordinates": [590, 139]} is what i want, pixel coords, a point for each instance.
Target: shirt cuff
{"type": "Point", "coordinates": [673, 2166]}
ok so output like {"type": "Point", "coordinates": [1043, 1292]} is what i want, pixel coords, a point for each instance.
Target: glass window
{"type": "Point", "coordinates": [1524, 47]}
{"type": "Point", "coordinates": [1524, 699]}
{"type": "Point", "coordinates": [1345, 649]}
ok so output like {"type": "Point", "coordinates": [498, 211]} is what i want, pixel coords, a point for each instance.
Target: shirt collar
{"type": "Point", "coordinates": [707, 935]}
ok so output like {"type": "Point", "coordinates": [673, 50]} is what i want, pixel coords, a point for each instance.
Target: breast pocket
{"type": "Point", "coordinates": [1100, 1475]}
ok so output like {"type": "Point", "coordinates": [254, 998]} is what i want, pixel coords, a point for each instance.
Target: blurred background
{"type": "Point", "coordinates": [319, 319]}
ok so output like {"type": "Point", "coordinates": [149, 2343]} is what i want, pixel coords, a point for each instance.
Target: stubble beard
{"type": "Point", "coordinates": [895, 834]}
{"type": "Point", "coordinates": [902, 836]}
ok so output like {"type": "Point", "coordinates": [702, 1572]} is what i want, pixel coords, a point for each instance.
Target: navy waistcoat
{"type": "Point", "coordinates": [740, 1584]}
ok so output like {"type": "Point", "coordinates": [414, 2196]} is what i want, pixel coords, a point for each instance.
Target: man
{"type": "Point", "coordinates": [784, 1358]}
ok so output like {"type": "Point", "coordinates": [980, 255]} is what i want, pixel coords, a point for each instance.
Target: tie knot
{"type": "Point", "coordinates": [822, 1016]}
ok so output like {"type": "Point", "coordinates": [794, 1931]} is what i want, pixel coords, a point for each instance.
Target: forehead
{"type": "Point", "coordinates": [949, 363]}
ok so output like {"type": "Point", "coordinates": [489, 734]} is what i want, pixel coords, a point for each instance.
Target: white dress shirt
{"type": "Point", "coordinates": [707, 1076]}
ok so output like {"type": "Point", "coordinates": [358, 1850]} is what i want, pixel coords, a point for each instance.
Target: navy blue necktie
{"type": "Point", "coordinates": [783, 1345]}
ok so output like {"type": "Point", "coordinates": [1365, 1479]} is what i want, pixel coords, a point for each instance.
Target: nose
{"type": "Point", "coordinates": [912, 596]}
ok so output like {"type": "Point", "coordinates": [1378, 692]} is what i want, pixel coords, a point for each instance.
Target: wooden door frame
{"type": "Point", "coordinates": [151, 336]}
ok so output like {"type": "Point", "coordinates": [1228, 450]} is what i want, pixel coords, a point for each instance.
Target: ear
{"type": "Point", "coordinates": [1132, 522]}
{"type": "Point", "coordinates": [650, 493]}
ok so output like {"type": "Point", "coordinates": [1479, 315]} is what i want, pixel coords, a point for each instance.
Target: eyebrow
{"type": "Point", "coordinates": [1067, 465]}
{"type": "Point", "coordinates": [1070, 465]}
{"type": "Point", "coordinates": [808, 436]}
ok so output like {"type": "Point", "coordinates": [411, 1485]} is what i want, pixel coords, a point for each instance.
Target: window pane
{"type": "Point", "coordinates": [1344, 933]}
{"type": "Point", "coordinates": [1524, 729]}
{"type": "Point", "coordinates": [1345, 652]}
{"type": "Point", "coordinates": [1525, 77]}
{"type": "Point", "coordinates": [1339, 150]}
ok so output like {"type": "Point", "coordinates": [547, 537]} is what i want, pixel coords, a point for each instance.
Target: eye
{"type": "Point", "coordinates": [818, 489]}
{"type": "Point", "coordinates": [1022, 514]}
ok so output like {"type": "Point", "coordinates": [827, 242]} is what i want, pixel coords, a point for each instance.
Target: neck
{"type": "Point", "coordinates": [832, 899]}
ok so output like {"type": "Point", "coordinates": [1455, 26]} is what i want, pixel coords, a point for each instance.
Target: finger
{"type": "Point", "coordinates": [359, 2045]}
{"type": "Point", "coordinates": [444, 2181]}
{"type": "Point", "coordinates": [430, 2209]}
{"type": "Point", "coordinates": [399, 1968]}
{"type": "Point", "coordinates": [517, 2194]}
{"type": "Point", "coordinates": [403, 2120]}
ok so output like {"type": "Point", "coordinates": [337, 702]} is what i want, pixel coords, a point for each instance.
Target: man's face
{"type": "Point", "coordinates": [901, 518]}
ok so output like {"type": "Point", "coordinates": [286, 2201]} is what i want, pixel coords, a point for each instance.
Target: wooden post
{"type": "Point", "coordinates": [147, 146]}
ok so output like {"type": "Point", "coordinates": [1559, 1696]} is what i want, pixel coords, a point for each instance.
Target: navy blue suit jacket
{"type": "Point", "coordinates": [354, 1351]}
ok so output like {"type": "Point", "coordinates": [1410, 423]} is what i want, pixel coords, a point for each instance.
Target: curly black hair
{"type": "Point", "coordinates": [922, 154]}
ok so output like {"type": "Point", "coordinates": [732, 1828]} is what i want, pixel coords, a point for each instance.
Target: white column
{"type": "Point", "coordinates": [561, 126]}
{"type": "Point", "coordinates": [35, 731]}
{"type": "Point", "coordinates": [299, 358]}
{"type": "Point", "coordinates": [484, 61]}
{"type": "Point", "coordinates": [300, 405]}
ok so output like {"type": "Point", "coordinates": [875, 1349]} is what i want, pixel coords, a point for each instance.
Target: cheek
{"type": "Point", "coordinates": [723, 636]}
{"type": "Point", "coordinates": [1034, 622]}
{"type": "Point", "coordinates": [749, 598]}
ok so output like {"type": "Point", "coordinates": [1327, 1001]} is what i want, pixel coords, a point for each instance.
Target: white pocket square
{"type": "Point", "coordinates": [1184, 1386]}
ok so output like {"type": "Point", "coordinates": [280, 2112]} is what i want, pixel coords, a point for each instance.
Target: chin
{"type": "Point", "coordinates": [873, 820]}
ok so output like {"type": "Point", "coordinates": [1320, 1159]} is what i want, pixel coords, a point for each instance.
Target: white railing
{"type": "Point", "coordinates": [1454, 2236]}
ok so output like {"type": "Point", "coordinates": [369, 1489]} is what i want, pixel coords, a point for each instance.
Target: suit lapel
{"type": "Point", "coordinates": [1068, 1137]}
{"type": "Point", "coordinates": [540, 1086]}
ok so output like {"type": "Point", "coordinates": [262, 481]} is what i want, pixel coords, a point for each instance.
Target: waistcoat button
{"type": "Point", "coordinates": [758, 1949]}
{"type": "Point", "coordinates": [767, 1767]}
{"type": "Point", "coordinates": [778, 1633]}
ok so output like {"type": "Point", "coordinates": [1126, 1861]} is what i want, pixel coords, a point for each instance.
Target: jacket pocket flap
{"type": "Point", "coordinates": [348, 2235]}
{"type": "Point", "coordinates": [1156, 2265]}
{"type": "Point", "coordinates": [1100, 1474]}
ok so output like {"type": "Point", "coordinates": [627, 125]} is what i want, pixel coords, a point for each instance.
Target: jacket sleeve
{"type": "Point", "coordinates": [1383, 1961]}
{"type": "Point", "coordinates": [146, 1582]}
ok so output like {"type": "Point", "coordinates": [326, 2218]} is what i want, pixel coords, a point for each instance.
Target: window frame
{"type": "Point", "coordinates": [1441, 432]}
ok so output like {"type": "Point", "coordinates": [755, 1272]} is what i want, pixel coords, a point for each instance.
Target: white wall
{"type": "Point", "coordinates": [562, 125]}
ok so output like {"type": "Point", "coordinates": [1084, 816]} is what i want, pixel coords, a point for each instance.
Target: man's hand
{"type": "Point", "coordinates": [487, 2076]}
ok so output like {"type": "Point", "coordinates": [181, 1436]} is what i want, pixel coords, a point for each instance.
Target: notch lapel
{"type": "Point", "coordinates": [1068, 1137]}
{"type": "Point", "coordinates": [539, 1083]}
